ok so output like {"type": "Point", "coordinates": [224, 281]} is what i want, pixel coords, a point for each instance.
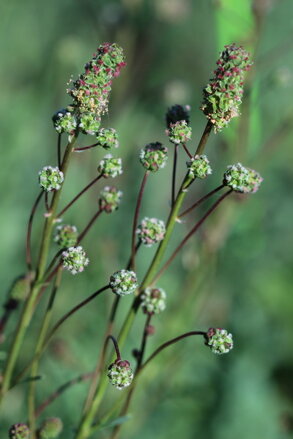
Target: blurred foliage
{"type": "Point", "coordinates": [237, 273]}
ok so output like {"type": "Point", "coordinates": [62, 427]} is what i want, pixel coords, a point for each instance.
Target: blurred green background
{"type": "Point", "coordinates": [237, 273]}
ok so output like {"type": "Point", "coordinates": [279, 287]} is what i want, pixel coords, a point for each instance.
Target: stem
{"type": "Point", "coordinates": [29, 305]}
{"type": "Point", "coordinates": [192, 231]}
{"type": "Point", "coordinates": [47, 203]}
{"type": "Point", "coordinates": [169, 343]}
{"type": "Point", "coordinates": [60, 390]}
{"type": "Point", "coordinates": [59, 150]}
{"type": "Point", "coordinates": [174, 175]}
{"type": "Point", "coordinates": [143, 342]}
{"type": "Point", "coordinates": [116, 347]}
{"type": "Point", "coordinates": [135, 219]}
{"type": "Point", "coordinates": [29, 231]}
{"type": "Point", "coordinates": [38, 350]}
{"type": "Point", "coordinates": [204, 138]}
{"type": "Point", "coordinates": [201, 200]}
{"type": "Point", "coordinates": [79, 195]}
{"type": "Point", "coordinates": [87, 228]}
{"type": "Point", "coordinates": [84, 148]}
{"type": "Point", "coordinates": [187, 150]}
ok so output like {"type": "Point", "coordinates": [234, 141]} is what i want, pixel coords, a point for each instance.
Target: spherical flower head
{"type": "Point", "coordinates": [223, 94]}
{"type": "Point", "coordinates": [199, 167]}
{"type": "Point", "coordinates": [65, 121]}
{"type": "Point", "coordinates": [19, 431]}
{"type": "Point", "coordinates": [110, 198]}
{"type": "Point", "coordinates": [51, 428]}
{"type": "Point", "coordinates": [179, 132]}
{"type": "Point", "coordinates": [120, 374]}
{"type": "Point", "coordinates": [21, 286]}
{"type": "Point", "coordinates": [151, 231]}
{"type": "Point", "coordinates": [123, 282]}
{"type": "Point", "coordinates": [108, 138]}
{"type": "Point", "coordinates": [66, 235]}
{"type": "Point", "coordinates": [89, 123]}
{"type": "Point", "coordinates": [110, 166]}
{"type": "Point", "coordinates": [242, 179]}
{"type": "Point", "coordinates": [177, 113]}
{"type": "Point", "coordinates": [153, 300]}
{"type": "Point", "coordinates": [219, 340]}
{"type": "Point", "coordinates": [91, 90]}
{"type": "Point", "coordinates": [153, 156]}
{"type": "Point", "coordinates": [74, 259]}
{"type": "Point", "coordinates": [50, 178]}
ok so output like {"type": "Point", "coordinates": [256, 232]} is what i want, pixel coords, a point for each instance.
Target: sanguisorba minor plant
{"type": "Point", "coordinates": [90, 96]}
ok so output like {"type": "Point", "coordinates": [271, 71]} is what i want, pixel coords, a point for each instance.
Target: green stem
{"type": "Point", "coordinates": [29, 305]}
{"type": "Point", "coordinates": [38, 350]}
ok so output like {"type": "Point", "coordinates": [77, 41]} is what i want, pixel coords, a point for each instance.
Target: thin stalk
{"type": "Point", "coordinates": [116, 347]}
{"type": "Point", "coordinates": [143, 342]}
{"type": "Point", "coordinates": [135, 219]}
{"type": "Point", "coordinates": [174, 175]}
{"type": "Point", "coordinates": [29, 305]}
{"type": "Point", "coordinates": [84, 429]}
{"type": "Point", "coordinates": [89, 225]}
{"type": "Point", "coordinates": [188, 236]}
{"type": "Point", "coordinates": [60, 390]}
{"type": "Point", "coordinates": [79, 195]}
{"type": "Point", "coordinates": [169, 343]}
{"type": "Point", "coordinates": [187, 150]}
{"type": "Point", "coordinates": [84, 148]}
{"type": "Point", "coordinates": [52, 263]}
{"type": "Point", "coordinates": [38, 349]}
{"type": "Point", "coordinates": [201, 200]}
{"type": "Point", "coordinates": [47, 203]}
{"type": "Point", "coordinates": [29, 231]}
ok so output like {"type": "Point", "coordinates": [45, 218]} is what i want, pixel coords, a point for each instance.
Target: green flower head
{"type": "Point", "coordinates": [110, 166]}
{"type": "Point", "coordinates": [179, 132]}
{"type": "Point", "coordinates": [153, 300]}
{"type": "Point", "coordinates": [199, 167]}
{"type": "Point", "coordinates": [219, 340]}
{"type": "Point", "coordinates": [51, 428]}
{"type": "Point", "coordinates": [123, 282]}
{"type": "Point", "coordinates": [51, 178]}
{"type": "Point", "coordinates": [242, 179]}
{"type": "Point", "coordinates": [74, 259]}
{"type": "Point", "coordinates": [110, 198]}
{"type": "Point", "coordinates": [19, 431]}
{"type": "Point", "coordinates": [89, 123]}
{"type": "Point", "coordinates": [154, 156]}
{"type": "Point", "coordinates": [120, 374]}
{"type": "Point", "coordinates": [151, 231]}
{"type": "Point", "coordinates": [107, 138]}
{"type": "Point", "coordinates": [65, 121]}
{"type": "Point", "coordinates": [66, 235]}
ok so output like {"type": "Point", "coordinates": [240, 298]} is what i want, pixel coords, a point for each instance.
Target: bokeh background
{"type": "Point", "coordinates": [237, 273]}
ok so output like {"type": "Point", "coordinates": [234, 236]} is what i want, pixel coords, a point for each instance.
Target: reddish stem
{"type": "Point", "coordinates": [205, 197]}
{"type": "Point", "coordinates": [29, 231]}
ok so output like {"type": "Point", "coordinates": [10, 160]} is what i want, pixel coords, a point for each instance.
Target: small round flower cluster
{"type": "Point", "coordinates": [110, 198]}
{"type": "Point", "coordinates": [21, 286]}
{"type": "Point", "coordinates": [199, 167]}
{"type": "Point", "coordinates": [151, 231]}
{"type": "Point", "coordinates": [153, 156]}
{"type": "Point", "coordinates": [120, 374]}
{"type": "Point", "coordinates": [89, 123]}
{"type": "Point", "coordinates": [107, 138]}
{"type": "Point", "coordinates": [110, 166]}
{"type": "Point", "coordinates": [153, 300]}
{"type": "Point", "coordinates": [179, 132]}
{"type": "Point", "coordinates": [65, 121]}
{"type": "Point", "coordinates": [123, 282]}
{"type": "Point", "coordinates": [51, 428]}
{"type": "Point", "coordinates": [19, 431]}
{"type": "Point", "coordinates": [74, 259]}
{"type": "Point", "coordinates": [223, 94]}
{"type": "Point", "coordinates": [177, 113]}
{"type": "Point", "coordinates": [91, 90]}
{"type": "Point", "coordinates": [66, 235]}
{"type": "Point", "coordinates": [242, 179]}
{"type": "Point", "coordinates": [50, 178]}
{"type": "Point", "coordinates": [219, 340]}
